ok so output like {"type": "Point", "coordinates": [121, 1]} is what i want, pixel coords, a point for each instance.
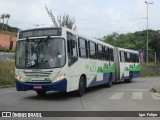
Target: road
{"type": "Point", "coordinates": [4, 56]}
{"type": "Point", "coordinates": [135, 96]}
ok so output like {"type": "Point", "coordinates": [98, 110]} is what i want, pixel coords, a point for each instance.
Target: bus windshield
{"type": "Point", "coordinates": [40, 53]}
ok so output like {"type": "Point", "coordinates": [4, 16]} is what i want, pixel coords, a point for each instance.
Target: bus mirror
{"type": "Point", "coordinates": [73, 43]}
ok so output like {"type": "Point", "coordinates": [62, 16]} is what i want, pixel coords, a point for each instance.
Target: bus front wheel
{"type": "Point", "coordinates": [82, 86]}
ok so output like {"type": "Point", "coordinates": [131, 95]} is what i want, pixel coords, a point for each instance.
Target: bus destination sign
{"type": "Point", "coordinates": [40, 32]}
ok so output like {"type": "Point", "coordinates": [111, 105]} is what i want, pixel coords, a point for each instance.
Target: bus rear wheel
{"type": "Point", "coordinates": [130, 78]}
{"type": "Point", "coordinates": [41, 92]}
{"type": "Point", "coordinates": [109, 84]}
{"type": "Point", "coordinates": [82, 86]}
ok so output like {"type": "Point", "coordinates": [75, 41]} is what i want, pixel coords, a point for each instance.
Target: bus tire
{"type": "Point", "coordinates": [130, 78]}
{"type": "Point", "coordinates": [109, 84]}
{"type": "Point", "coordinates": [82, 86]}
{"type": "Point", "coordinates": [40, 92]}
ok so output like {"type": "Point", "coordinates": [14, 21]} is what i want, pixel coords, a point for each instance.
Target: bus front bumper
{"type": "Point", "coordinates": [56, 86]}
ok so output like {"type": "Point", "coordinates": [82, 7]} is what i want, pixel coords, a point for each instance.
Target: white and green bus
{"type": "Point", "coordinates": [59, 59]}
{"type": "Point", "coordinates": [127, 64]}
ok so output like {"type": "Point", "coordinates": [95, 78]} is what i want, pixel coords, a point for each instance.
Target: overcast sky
{"type": "Point", "coordinates": [94, 18]}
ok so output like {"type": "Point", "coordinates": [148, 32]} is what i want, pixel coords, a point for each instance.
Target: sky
{"type": "Point", "coordinates": [95, 18]}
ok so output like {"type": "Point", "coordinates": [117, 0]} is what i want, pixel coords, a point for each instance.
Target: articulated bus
{"type": "Point", "coordinates": [59, 59]}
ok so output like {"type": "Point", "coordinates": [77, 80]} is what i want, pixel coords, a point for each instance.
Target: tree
{"type": "Point", "coordinates": [62, 21]}
{"type": "Point", "coordinates": [136, 41]}
{"type": "Point", "coordinates": [2, 17]}
{"type": "Point", "coordinates": [7, 16]}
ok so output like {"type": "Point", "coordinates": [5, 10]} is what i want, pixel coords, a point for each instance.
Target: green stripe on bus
{"type": "Point", "coordinates": [107, 69]}
{"type": "Point", "coordinates": [135, 68]}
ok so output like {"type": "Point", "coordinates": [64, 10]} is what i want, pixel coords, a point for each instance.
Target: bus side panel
{"type": "Point", "coordinates": [101, 72]}
{"type": "Point", "coordinates": [135, 68]}
{"type": "Point", "coordinates": [73, 76]}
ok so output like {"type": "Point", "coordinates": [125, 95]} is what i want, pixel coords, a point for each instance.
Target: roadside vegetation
{"type": "Point", "coordinates": [7, 73]}
{"type": "Point", "coordinates": [151, 72]}
{"type": "Point", "coordinates": [155, 89]}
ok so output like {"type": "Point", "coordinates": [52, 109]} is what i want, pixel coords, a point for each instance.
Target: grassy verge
{"type": "Point", "coordinates": [155, 89]}
{"type": "Point", "coordinates": [149, 74]}
{"type": "Point", "coordinates": [11, 57]}
{"type": "Point", "coordinates": [151, 64]}
{"type": "Point", "coordinates": [7, 73]}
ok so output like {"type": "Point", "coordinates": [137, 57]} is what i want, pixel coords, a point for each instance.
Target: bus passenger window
{"type": "Point", "coordinates": [83, 51]}
{"type": "Point", "coordinates": [72, 48]}
{"type": "Point", "coordinates": [106, 53]}
{"type": "Point", "coordinates": [111, 54]}
{"type": "Point", "coordinates": [100, 52]}
{"type": "Point", "coordinates": [128, 57]}
{"type": "Point", "coordinates": [92, 50]}
{"type": "Point", "coordinates": [122, 56]}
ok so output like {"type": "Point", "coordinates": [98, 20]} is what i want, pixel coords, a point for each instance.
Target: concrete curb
{"type": "Point", "coordinates": [7, 86]}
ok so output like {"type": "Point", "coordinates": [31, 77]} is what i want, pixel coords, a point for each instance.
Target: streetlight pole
{"type": "Point", "coordinates": [147, 29]}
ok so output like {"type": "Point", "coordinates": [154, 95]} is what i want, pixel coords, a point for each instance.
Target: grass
{"type": "Point", "coordinates": [149, 74]}
{"type": "Point", "coordinates": [12, 57]}
{"type": "Point", "coordinates": [155, 89]}
{"type": "Point", "coordinates": [7, 73]}
{"type": "Point", "coordinates": [151, 64]}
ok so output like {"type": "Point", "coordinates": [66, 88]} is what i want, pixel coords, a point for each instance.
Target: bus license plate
{"type": "Point", "coordinates": [37, 87]}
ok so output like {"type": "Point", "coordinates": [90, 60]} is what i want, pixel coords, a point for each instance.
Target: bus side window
{"type": "Point", "coordinates": [100, 52]}
{"type": "Point", "coordinates": [92, 50]}
{"type": "Point", "coordinates": [122, 56]}
{"type": "Point", "coordinates": [128, 57]}
{"type": "Point", "coordinates": [111, 54]}
{"type": "Point", "coordinates": [83, 48]}
{"type": "Point", "coordinates": [136, 58]}
{"type": "Point", "coordinates": [105, 53]}
{"type": "Point", "coordinates": [72, 48]}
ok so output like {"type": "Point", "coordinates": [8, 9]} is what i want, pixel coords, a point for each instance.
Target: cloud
{"type": "Point", "coordinates": [93, 17]}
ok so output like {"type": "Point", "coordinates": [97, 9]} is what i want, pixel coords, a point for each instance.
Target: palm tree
{"type": "Point", "coordinates": [2, 17]}
{"type": "Point", "coordinates": [7, 16]}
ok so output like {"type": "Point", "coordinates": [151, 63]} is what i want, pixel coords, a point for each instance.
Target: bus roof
{"type": "Point", "coordinates": [87, 37]}
{"type": "Point", "coordinates": [128, 50]}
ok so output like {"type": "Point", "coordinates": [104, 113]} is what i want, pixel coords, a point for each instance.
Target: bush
{"type": "Point", "coordinates": [7, 73]}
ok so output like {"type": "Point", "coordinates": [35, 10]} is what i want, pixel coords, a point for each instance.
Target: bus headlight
{"type": "Point", "coordinates": [58, 77]}
{"type": "Point", "coordinates": [18, 78]}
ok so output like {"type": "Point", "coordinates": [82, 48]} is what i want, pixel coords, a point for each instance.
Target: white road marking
{"type": "Point", "coordinates": [155, 95]}
{"type": "Point", "coordinates": [117, 95]}
{"type": "Point", "coordinates": [10, 59]}
{"type": "Point", "coordinates": [137, 95]}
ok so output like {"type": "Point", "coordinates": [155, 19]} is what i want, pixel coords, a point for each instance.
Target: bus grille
{"type": "Point", "coordinates": [37, 74]}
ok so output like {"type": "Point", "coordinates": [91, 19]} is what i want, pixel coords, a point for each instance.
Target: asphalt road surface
{"type": "Point", "coordinates": [135, 96]}
{"type": "Point", "coordinates": [4, 56]}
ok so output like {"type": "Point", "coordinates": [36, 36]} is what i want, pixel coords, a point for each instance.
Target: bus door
{"type": "Point", "coordinates": [72, 61]}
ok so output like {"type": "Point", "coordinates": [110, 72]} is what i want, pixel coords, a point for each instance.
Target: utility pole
{"type": "Point", "coordinates": [147, 30]}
